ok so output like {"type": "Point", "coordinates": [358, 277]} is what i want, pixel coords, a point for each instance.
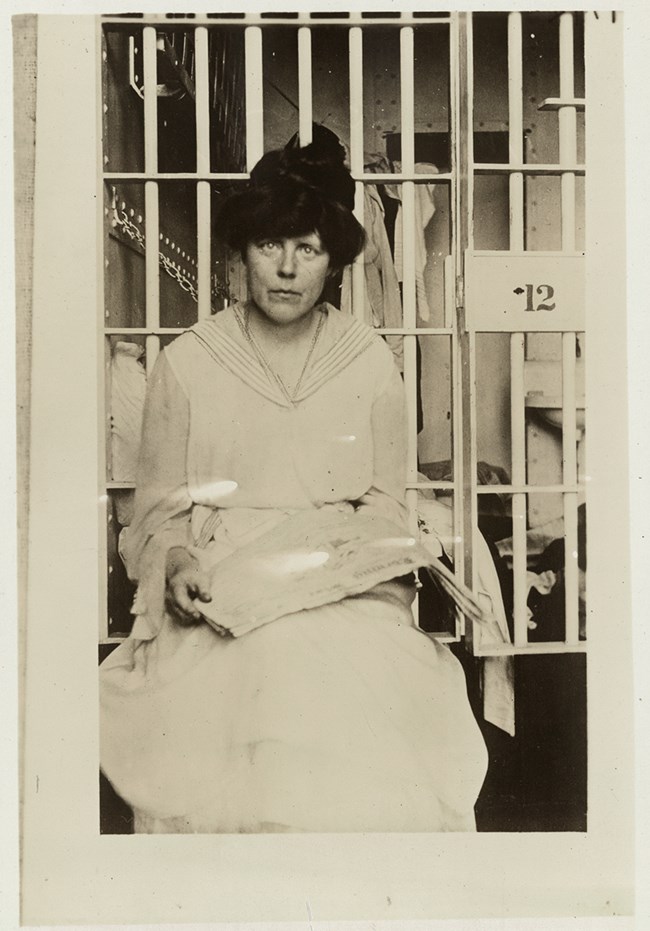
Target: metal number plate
{"type": "Point", "coordinates": [525, 292]}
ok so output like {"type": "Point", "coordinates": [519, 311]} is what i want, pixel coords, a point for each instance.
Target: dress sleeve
{"type": "Point", "coordinates": [387, 493]}
{"type": "Point", "coordinates": [162, 505]}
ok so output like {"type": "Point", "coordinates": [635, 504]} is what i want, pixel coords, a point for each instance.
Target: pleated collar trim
{"type": "Point", "coordinates": [231, 355]}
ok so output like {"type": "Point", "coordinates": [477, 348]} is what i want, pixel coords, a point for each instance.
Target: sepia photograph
{"type": "Point", "coordinates": [387, 162]}
{"type": "Point", "coordinates": [322, 514]}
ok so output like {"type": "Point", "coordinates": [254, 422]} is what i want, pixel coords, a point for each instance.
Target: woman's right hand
{"type": "Point", "coordinates": [186, 584]}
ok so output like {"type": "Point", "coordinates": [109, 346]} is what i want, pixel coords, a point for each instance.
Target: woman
{"type": "Point", "coordinates": [344, 717]}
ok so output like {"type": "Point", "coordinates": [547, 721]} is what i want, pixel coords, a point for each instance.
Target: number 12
{"type": "Point", "coordinates": [540, 290]}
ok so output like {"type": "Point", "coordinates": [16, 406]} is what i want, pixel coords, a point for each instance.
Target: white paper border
{"type": "Point", "coordinates": [313, 874]}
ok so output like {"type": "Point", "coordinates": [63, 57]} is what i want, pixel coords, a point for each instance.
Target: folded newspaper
{"type": "Point", "coordinates": [313, 558]}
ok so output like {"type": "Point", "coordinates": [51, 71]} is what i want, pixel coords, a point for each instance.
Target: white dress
{"type": "Point", "coordinates": [339, 718]}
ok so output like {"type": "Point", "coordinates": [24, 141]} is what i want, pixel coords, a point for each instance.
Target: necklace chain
{"type": "Point", "coordinates": [291, 396]}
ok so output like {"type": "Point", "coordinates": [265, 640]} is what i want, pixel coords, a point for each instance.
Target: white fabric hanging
{"type": "Point", "coordinates": [128, 388]}
{"type": "Point", "coordinates": [424, 211]}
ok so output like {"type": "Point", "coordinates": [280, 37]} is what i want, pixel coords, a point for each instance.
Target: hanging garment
{"type": "Point", "coordinates": [498, 671]}
{"type": "Point", "coordinates": [128, 383]}
{"type": "Point", "coordinates": [383, 302]}
{"type": "Point", "coordinates": [338, 718]}
{"type": "Point", "coordinates": [424, 211]}
{"type": "Point", "coordinates": [128, 388]}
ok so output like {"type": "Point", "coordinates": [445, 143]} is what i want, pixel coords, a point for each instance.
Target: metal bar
{"type": "Point", "coordinates": [570, 499]}
{"type": "Point", "coordinates": [104, 619]}
{"type": "Point", "coordinates": [441, 486]}
{"type": "Point", "coordinates": [386, 331]}
{"type": "Point", "coordinates": [451, 275]}
{"type": "Point", "coordinates": [204, 248]}
{"type": "Point", "coordinates": [202, 99]}
{"type": "Point", "coordinates": [448, 291]}
{"type": "Point", "coordinates": [457, 440]}
{"type": "Point", "coordinates": [473, 446]}
{"type": "Point", "coordinates": [545, 252]}
{"type": "Point", "coordinates": [518, 456]}
{"type": "Point", "coordinates": [143, 331]}
{"type": "Point", "coordinates": [532, 649]}
{"type": "Point", "coordinates": [516, 212]}
{"type": "Point", "coordinates": [556, 103]}
{"type": "Point", "coordinates": [515, 130]}
{"type": "Point", "coordinates": [568, 132]}
{"type": "Point", "coordinates": [177, 176]}
{"type": "Point", "coordinates": [393, 178]}
{"type": "Point", "coordinates": [567, 86]}
{"type": "Point", "coordinates": [244, 175]}
{"type": "Point", "coordinates": [524, 488]}
{"type": "Point", "coordinates": [355, 46]}
{"type": "Point", "coordinates": [407, 87]}
{"type": "Point", "coordinates": [203, 197]}
{"type": "Point", "coordinates": [304, 86]}
{"type": "Point", "coordinates": [255, 19]}
{"type": "Point", "coordinates": [571, 573]}
{"type": "Point", "coordinates": [517, 409]}
{"type": "Point", "coordinates": [105, 453]}
{"type": "Point", "coordinates": [465, 141]}
{"type": "Point", "coordinates": [106, 411]}
{"type": "Point", "coordinates": [500, 168]}
{"type": "Point", "coordinates": [356, 160]}
{"type": "Point", "coordinates": [568, 153]}
{"type": "Point", "coordinates": [152, 273]}
{"type": "Point", "coordinates": [517, 243]}
{"type": "Point", "coordinates": [519, 569]}
{"type": "Point", "coordinates": [462, 155]}
{"type": "Point", "coordinates": [407, 159]}
{"type": "Point", "coordinates": [150, 78]}
{"type": "Point", "coordinates": [415, 331]}
{"type": "Point", "coordinates": [254, 96]}
{"type": "Point", "coordinates": [569, 436]}
{"type": "Point", "coordinates": [411, 388]}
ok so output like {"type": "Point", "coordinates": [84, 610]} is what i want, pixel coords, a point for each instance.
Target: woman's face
{"type": "Point", "coordinates": [286, 276]}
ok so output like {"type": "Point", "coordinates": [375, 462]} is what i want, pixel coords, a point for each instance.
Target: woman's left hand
{"type": "Point", "coordinates": [186, 584]}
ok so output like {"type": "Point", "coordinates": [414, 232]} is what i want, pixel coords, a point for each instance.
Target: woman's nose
{"type": "Point", "coordinates": [287, 262]}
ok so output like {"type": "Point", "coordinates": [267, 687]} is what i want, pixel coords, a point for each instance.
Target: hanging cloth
{"type": "Point", "coordinates": [383, 303]}
{"type": "Point", "coordinates": [424, 211]}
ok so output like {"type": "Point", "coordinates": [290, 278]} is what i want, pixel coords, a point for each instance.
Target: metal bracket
{"type": "Point", "coordinates": [180, 83]}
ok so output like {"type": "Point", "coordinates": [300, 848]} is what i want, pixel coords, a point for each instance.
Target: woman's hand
{"type": "Point", "coordinates": [185, 584]}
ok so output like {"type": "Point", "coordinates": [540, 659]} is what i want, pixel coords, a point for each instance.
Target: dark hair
{"type": "Point", "coordinates": [292, 192]}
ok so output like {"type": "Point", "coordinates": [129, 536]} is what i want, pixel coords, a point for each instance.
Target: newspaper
{"type": "Point", "coordinates": [314, 558]}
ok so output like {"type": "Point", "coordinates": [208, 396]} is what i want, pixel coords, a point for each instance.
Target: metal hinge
{"type": "Point", "coordinates": [460, 291]}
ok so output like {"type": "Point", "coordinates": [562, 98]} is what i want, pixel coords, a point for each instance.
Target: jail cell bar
{"type": "Point", "coordinates": [406, 177]}
{"type": "Point", "coordinates": [464, 431]}
{"type": "Point", "coordinates": [566, 105]}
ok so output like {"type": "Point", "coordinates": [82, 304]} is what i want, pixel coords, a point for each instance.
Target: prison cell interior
{"type": "Point", "coordinates": [465, 137]}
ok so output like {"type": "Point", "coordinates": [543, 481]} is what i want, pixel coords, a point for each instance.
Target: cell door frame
{"type": "Point", "coordinates": [460, 179]}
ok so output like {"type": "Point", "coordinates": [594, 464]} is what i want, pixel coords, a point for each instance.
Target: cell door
{"type": "Point", "coordinates": [464, 135]}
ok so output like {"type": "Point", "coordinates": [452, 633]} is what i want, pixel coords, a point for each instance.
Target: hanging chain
{"type": "Point", "coordinates": [123, 221]}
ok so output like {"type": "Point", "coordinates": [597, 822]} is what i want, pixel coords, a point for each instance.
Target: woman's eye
{"type": "Point", "coordinates": [309, 250]}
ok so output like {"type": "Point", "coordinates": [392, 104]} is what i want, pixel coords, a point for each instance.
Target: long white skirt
{"type": "Point", "coordinates": [341, 718]}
